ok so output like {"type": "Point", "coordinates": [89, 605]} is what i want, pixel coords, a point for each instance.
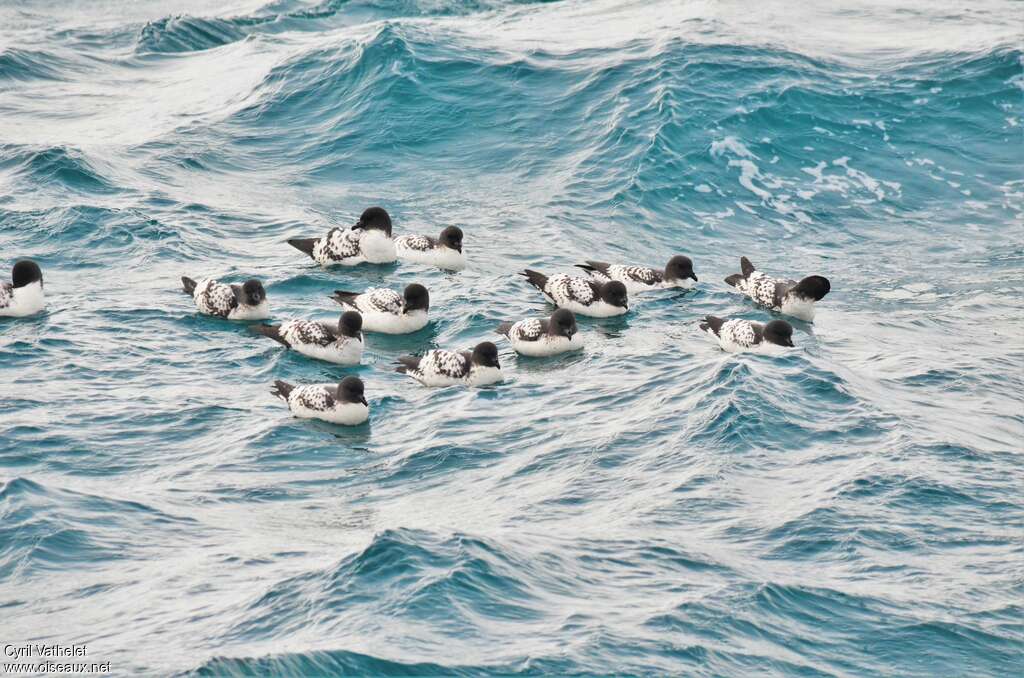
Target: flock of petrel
{"type": "Point", "coordinates": [603, 294]}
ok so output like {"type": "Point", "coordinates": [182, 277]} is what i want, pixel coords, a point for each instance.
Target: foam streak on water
{"type": "Point", "coordinates": [651, 505]}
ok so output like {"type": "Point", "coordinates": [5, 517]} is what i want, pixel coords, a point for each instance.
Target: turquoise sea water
{"type": "Point", "coordinates": [651, 505]}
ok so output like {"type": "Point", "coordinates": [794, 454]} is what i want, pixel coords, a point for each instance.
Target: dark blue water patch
{"type": "Point", "coordinates": [437, 461]}
{"type": "Point", "coordinates": [343, 88]}
{"type": "Point", "coordinates": [317, 83]}
{"type": "Point", "coordinates": [817, 618]}
{"type": "Point", "coordinates": [183, 33]}
{"type": "Point", "coordinates": [188, 34]}
{"type": "Point", "coordinates": [250, 495]}
{"type": "Point", "coordinates": [937, 643]}
{"type": "Point", "coordinates": [44, 529]}
{"type": "Point", "coordinates": [458, 576]}
{"type": "Point", "coordinates": [343, 662]}
{"type": "Point", "coordinates": [20, 64]}
{"type": "Point", "coordinates": [63, 165]}
{"type": "Point", "coordinates": [324, 663]}
{"type": "Point", "coordinates": [909, 492]}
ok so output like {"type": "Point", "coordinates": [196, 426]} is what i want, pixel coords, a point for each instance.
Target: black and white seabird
{"type": "Point", "coordinates": [341, 344]}
{"type": "Point", "coordinates": [785, 296]}
{"type": "Point", "coordinates": [581, 295]}
{"type": "Point", "coordinates": [342, 404]}
{"type": "Point", "coordinates": [247, 301]}
{"type": "Point", "coordinates": [540, 337]}
{"type": "Point", "coordinates": [24, 294]}
{"type": "Point", "coordinates": [369, 240]}
{"type": "Point", "coordinates": [738, 335]}
{"type": "Point", "coordinates": [387, 311]}
{"type": "Point", "coordinates": [443, 252]}
{"type": "Point", "coordinates": [677, 273]}
{"type": "Point", "coordinates": [446, 368]}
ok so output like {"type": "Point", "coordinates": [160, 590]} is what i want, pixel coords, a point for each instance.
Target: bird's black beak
{"type": "Point", "coordinates": [791, 344]}
{"type": "Point", "coordinates": [362, 399]}
{"type": "Point", "coordinates": [458, 247]}
{"type": "Point", "coordinates": [358, 225]}
{"type": "Point", "coordinates": [694, 276]}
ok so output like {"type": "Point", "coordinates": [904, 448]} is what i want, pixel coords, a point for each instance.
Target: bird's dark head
{"type": "Point", "coordinates": [351, 390]}
{"type": "Point", "coordinates": [374, 218]}
{"type": "Point", "coordinates": [26, 272]}
{"type": "Point", "coordinates": [679, 268]}
{"type": "Point", "coordinates": [562, 323]}
{"type": "Point", "coordinates": [486, 355]}
{"type": "Point", "coordinates": [253, 292]}
{"type": "Point", "coordinates": [452, 237]}
{"type": "Point", "coordinates": [812, 287]}
{"type": "Point", "coordinates": [416, 298]}
{"type": "Point", "coordinates": [350, 324]}
{"type": "Point", "coordinates": [614, 293]}
{"type": "Point", "coordinates": [779, 332]}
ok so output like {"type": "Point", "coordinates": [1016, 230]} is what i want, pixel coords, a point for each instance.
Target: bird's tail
{"type": "Point", "coordinates": [711, 324]}
{"type": "Point", "coordinates": [345, 298]}
{"type": "Point", "coordinates": [189, 284]}
{"type": "Point", "coordinates": [303, 244]}
{"type": "Point", "coordinates": [594, 267]}
{"type": "Point", "coordinates": [746, 267]}
{"type": "Point", "coordinates": [538, 280]}
{"type": "Point", "coordinates": [282, 389]}
{"type": "Point", "coordinates": [734, 279]}
{"type": "Point", "coordinates": [407, 363]}
{"type": "Point", "coordinates": [503, 328]}
{"type": "Point", "coordinates": [272, 331]}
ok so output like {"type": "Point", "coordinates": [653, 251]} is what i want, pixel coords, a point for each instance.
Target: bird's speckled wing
{"type": "Point", "coordinates": [739, 332]}
{"type": "Point", "coordinates": [314, 398]}
{"type": "Point", "coordinates": [420, 243]}
{"type": "Point", "coordinates": [380, 300]}
{"type": "Point", "coordinates": [637, 274]}
{"type": "Point", "coordinates": [306, 332]}
{"type": "Point", "coordinates": [527, 330]}
{"type": "Point", "coordinates": [337, 245]}
{"type": "Point", "coordinates": [564, 289]}
{"type": "Point", "coordinates": [764, 289]}
{"type": "Point", "coordinates": [446, 364]}
{"type": "Point", "coordinates": [215, 298]}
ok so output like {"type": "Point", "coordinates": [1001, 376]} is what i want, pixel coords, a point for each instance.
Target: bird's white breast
{"type": "Point", "coordinates": [441, 257]}
{"type": "Point", "coordinates": [482, 376]}
{"type": "Point", "coordinates": [547, 345]}
{"type": "Point", "coordinates": [798, 307]}
{"type": "Point", "coordinates": [634, 287]}
{"type": "Point", "coordinates": [390, 323]}
{"type": "Point", "coordinates": [435, 379]}
{"type": "Point", "coordinates": [680, 283]}
{"type": "Point", "coordinates": [598, 309]}
{"type": "Point", "coordinates": [344, 351]}
{"type": "Point", "coordinates": [348, 414]}
{"type": "Point", "coordinates": [246, 312]}
{"type": "Point", "coordinates": [377, 246]}
{"type": "Point", "coordinates": [25, 301]}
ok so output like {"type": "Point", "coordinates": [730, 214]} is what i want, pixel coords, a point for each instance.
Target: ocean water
{"type": "Point", "coordinates": [649, 506]}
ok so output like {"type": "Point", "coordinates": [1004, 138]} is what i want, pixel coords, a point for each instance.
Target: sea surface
{"type": "Point", "coordinates": [651, 505]}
